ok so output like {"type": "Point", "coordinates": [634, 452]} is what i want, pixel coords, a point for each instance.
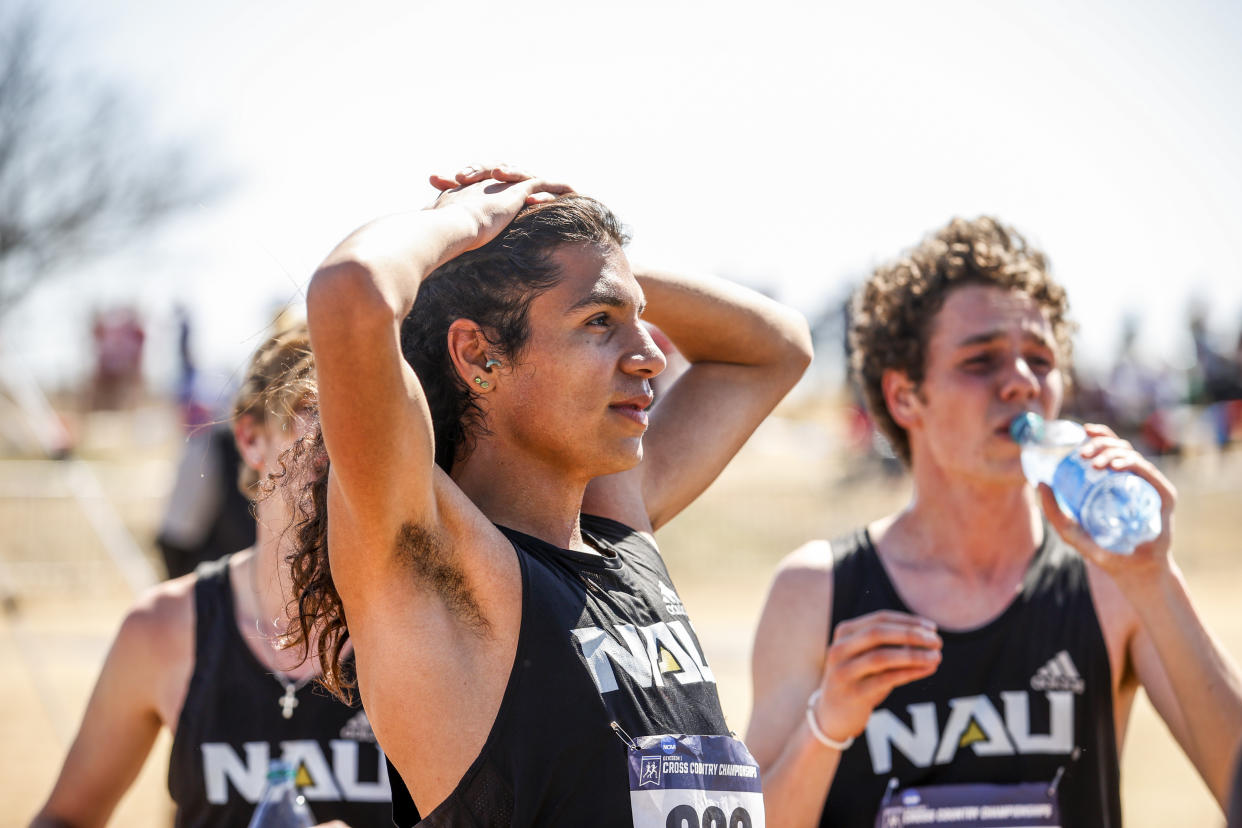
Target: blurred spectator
{"type": "Point", "coordinates": [1218, 377]}
{"type": "Point", "coordinates": [117, 382]}
{"type": "Point", "coordinates": [194, 413]}
{"type": "Point", "coordinates": [207, 516]}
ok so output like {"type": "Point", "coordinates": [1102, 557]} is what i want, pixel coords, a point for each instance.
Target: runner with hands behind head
{"type": "Point", "coordinates": [495, 477]}
{"type": "Point", "coordinates": [975, 656]}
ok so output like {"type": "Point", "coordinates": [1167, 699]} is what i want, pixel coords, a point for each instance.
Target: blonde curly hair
{"type": "Point", "coordinates": [280, 382]}
{"type": "Point", "coordinates": [893, 311]}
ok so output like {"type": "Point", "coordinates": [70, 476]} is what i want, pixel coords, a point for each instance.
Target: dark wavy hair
{"type": "Point", "coordinates": [892, 313]}
{"type": "Point", "coordinates": [492, 286]}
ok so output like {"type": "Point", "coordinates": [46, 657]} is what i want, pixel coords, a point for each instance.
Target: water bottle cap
{"type": "Point", "coordinates": [1027, 428]}
{"type": "Point", "coordinates": [279, 770]}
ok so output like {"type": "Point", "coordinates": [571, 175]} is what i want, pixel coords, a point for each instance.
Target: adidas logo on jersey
{"type": "Point", "coordinates": [672, 602]}
{"type": "Point", "coordinates": [358, 728]}
{"type": "Point", "coordinates": [1058, 674]}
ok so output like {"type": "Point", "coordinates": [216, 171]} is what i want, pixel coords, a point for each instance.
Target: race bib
{"type": "Point", "coordinates": [1026, 805]}
{"type": "Point", "coordinates": [694, 782]}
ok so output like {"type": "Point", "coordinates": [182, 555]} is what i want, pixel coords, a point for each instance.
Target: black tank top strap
{"type": "Point", "coordinates": [859, 583]}
{"type": "Point", "coordinates": [213, 614]}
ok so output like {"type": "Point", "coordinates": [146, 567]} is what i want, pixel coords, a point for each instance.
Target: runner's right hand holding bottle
{"type": "Point", "coordinates": [1118, 508]}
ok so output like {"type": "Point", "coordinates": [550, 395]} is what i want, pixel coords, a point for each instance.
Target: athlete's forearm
{"type": "Point", "coordinates": [796, 784]}
{"type": "Point", "coordinates": [713, 320]}
{"type": "Point", "coordinates": [386, 260]}
{"type": "Point", "coordinates": [1204, 678]}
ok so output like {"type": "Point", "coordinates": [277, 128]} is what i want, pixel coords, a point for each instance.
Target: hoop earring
{"type": "Point", "coordinates": [487, 366]}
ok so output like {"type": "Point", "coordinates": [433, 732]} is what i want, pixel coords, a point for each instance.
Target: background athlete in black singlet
{"type": "Point", "coordinates": [199, 655]}
{"type": "Point", "coordinates": [966, 646]}
{"type": "Point", "coordinates": [526, 405]}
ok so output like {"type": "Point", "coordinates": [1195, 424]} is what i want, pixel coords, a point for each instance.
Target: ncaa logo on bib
{"type": "Point", "coordinates": [669, 745]}
{"type": "Point", "coordinates": [650, 772]}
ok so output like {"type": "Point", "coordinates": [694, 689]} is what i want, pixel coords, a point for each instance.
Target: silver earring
{"type": "Point", "coordinates": [482, 383]}
{"type": "Point", "coordinates": [487, 366]}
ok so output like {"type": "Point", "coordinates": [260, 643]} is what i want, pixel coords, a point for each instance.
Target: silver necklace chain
{"type": "Point", "coordinates": [288, 700]}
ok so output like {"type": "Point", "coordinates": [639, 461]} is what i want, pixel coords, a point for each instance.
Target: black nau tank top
{"type": "Point", "coordinates": [1026, 698]}
{"type": "Point", "coordinates": [232, 724]}
{"type": "Point", "coordinates": [604, 639]}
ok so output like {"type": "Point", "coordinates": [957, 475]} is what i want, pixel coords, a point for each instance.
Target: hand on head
{"type": "Point", "coordinates": [492, 195]}
{"type": "Point", "coordinates": [498, 173]}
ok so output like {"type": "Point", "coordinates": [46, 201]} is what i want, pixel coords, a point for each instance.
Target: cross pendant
{"type": "Point", "coordinates": [288, 701]}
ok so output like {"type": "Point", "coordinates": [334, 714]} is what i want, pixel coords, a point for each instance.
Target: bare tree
{"type": "Point", "coordinates": [76, 176]}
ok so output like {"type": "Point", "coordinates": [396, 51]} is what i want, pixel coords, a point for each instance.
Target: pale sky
{"type": "Point", "coordinates": [788, 145]}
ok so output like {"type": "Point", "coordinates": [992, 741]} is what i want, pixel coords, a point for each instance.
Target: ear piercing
{"type": "Point", "coordinates": [487, 366]}
{"type": "Point", "coordinates": [482, 383]}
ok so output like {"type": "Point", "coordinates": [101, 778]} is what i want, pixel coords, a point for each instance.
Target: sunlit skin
{"type": "Point", "coordinates": [990, 357]}
{"type": "Point", "coordinates": [566, 431]}
{"type": "Point", "coordinates": [573, 402]}
{"type": "Point", "coordinates": [957, 554]}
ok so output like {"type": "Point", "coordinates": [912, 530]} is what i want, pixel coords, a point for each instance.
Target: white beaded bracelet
{"type": "Point", "coordinates": [822, 737]}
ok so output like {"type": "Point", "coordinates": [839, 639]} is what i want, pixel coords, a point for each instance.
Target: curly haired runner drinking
{"type": "Point", "coordinates": [488, 510]}
{"type": "Point", "coordinates": [958, 663]}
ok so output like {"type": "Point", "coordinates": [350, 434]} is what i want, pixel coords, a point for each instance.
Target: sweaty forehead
{"type": "Point", "coordinates": [977, 313]}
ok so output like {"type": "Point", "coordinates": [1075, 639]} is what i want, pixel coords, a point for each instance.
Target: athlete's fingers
{"type": "Point", "coordinates": [852, 625]}
{"type": "Point", "coordinates": [884, 659]}
{"type": "Point", "coordinates": [1098, 430]}
{"type": "Point", "coordinates": [877, 687]}
{"type": "Point", "coordinates": [491, 169]}
{"type": "Point", "coordinates": [882, 634]}
{"type": "Point", "coordinates": [540, 190]}
{"type": "Point", "coordinates": [1065, 526]}
{"type": "Point", "coordinates": [509, 172]}
{"type": "Point", "coordinates": [1147, 470]}
{"type": "Point", "coordinates": [1114, 457]}
{"type": "Point", "coordinates": [442, 183]}
{"type": "Point", "coordinates": [1096, 445]}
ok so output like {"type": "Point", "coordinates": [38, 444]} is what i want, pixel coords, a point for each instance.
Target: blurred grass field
{"type": "Point", "coordinates": [63, 597]}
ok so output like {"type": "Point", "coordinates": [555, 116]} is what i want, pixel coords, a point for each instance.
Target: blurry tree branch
{"type": "Point", "coordinates": [77, 177]}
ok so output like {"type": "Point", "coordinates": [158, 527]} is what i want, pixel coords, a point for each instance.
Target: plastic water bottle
{"type": "Point", "coordinates": [281, 806]}
{"type": "Point", "coordinates": [1118, 509]}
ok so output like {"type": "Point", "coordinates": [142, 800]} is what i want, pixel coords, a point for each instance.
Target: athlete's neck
{"type": "Point", "coordinates": [522, 493]}
{"type": "Point", "coordinates": [262, 591]}
{"type": "Point", "coordinates": [977, 531]}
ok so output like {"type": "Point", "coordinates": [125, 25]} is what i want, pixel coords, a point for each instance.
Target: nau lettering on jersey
{"type": "Point", "coordinates": [973, 722]}
{"type": "Point", "coordinates": [648, 655]}
{"type": "Point", "coordinates": [318, 778]}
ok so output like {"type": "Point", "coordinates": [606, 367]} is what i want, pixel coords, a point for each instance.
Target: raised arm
{"type": "Point", "coordinates": [149, 661]}
{"type": "Point", "coordinates": [374, 415]}
{"type": "Point", "coordinates": [745, 353]}
{"type": "Point", "coordinates": [1194, 685]}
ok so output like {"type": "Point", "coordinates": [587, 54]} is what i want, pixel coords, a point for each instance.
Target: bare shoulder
{"type": "Point", "coordinates": [805, 573]}
{"type": "Point", "coordinates": [160, 624]}
{"type": "Point", "coordinates": [798, 605]}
